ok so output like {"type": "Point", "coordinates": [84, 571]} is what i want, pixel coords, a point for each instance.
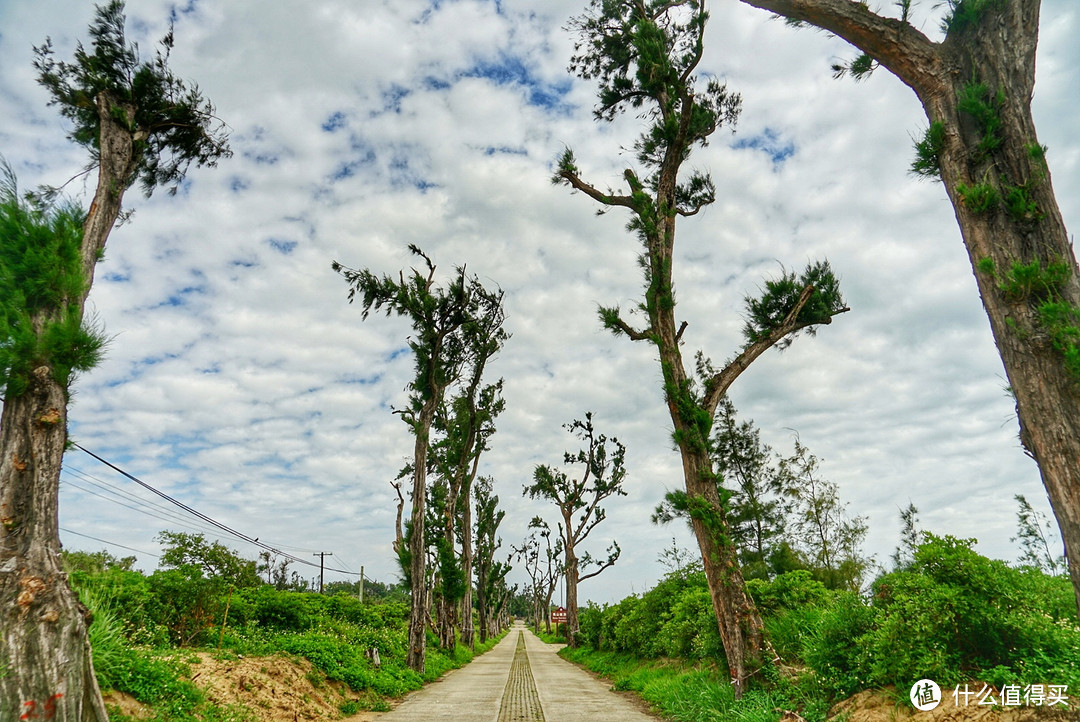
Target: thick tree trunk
{"type": "Point", "coordinates": [741, 627]}
{"type": "Point", "coordinates": [45, 663]}
{"type": "Point", "coordinates": [46, 669]}
{"type": "Point", "coordinates": [572, 574]}
{"type": "Point", "coordinates": [998, 51]}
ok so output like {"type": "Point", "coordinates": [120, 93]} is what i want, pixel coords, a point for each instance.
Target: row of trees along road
{"type": "Point", "coordinates": [543, 562]}
{"type": "Point", "coordinates": [457, 329]}
{"type": "Point", "coordinates": [139, 123]}
{"type": "Point", "coordinates": [597, 472]}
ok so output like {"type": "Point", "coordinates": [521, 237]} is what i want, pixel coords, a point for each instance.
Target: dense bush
{"type": "Point", "coordinates": [956, 612]}
{"type": "Point", "coordinates": [140, 621]}
{"type": "Point", "coordinates": [951, 615]}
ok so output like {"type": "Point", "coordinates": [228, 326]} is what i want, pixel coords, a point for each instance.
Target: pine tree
{"type": "Point", "coordinates": [644, 56]}
{"type": "Point", "coordinates": [441, 320]}
{"type": "Point", "coordinates": [139, 122]}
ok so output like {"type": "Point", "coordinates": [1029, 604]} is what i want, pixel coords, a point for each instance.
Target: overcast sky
{"type": "Point", "coordinates": [241, 382]}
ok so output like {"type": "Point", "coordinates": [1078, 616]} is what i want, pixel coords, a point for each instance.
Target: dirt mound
{"type": "Point", "coordinates": [882, 706]}
{"type": "Point", "coordinates": [274, 689]}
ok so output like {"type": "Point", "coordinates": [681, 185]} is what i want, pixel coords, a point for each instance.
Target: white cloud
{"type": "Point", "coordinates": [240, 380]}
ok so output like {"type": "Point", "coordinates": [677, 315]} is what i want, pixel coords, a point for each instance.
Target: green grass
{"type": "Point", "coordinates": [684, 691]}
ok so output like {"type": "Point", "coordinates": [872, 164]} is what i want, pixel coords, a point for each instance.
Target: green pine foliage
{"type": "Point", "coordinates": [173, 123]}
{"type": "Point", "coordinates": [927, 161]}
{"type": "Point", "coordinates": [41, 286]}
{"type": "Point", "coordinates": [964, 14]}
{"type": "Point", "coordinates": [780, 296]}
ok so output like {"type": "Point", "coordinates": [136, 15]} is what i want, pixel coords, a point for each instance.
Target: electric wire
{"type": "Point", "coordinates": [204, 517]}
{"type": "Point", "coordinates": [91, 479]}
{"type": "Point", "coordinates": [171, 517]}
{"type": "Point", "coordinates": [170, 521]}
{"type": "Point", "coordinates": [130, 549]}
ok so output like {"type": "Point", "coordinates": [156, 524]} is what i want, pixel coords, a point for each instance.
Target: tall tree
{"type": "Point", "coordinates": [818, 524]}
{"type": "Point", "coordinates": [490, 574]}
{"type": "Point", "coordinates": [976, 86]}
{"type": "Point", "coordinates": [911, 536]}
{"type": "Point", "coordinates": [438, 317]}
{"type": "Point", "coordinates": [745, 466]}
{"type": "Point", "coordinates": [140, 123]}
{"type": "Point", "coordinates": [599, 473]}
{"type": "Point", "coordinates": [467, 423]}
{"type": "Point", "coordinates": [644, 54]}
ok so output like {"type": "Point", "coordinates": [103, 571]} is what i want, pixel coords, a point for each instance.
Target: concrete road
{"type": "Point", "coordinates": [521, 679]}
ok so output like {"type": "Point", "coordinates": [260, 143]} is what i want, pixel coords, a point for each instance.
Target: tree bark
{"type": "Point", "coordinates": [997, 50]}
{"type": "Point", "coordinates": [571, 560]}
{"type": "Point", "coordinates": [45, 662]}
{"type": "Point", "coordinates": [418, 612]}
{"type": "Point", "coordinates": [467, 636]}
{"type": "Point", "coordinates": [741, 627]}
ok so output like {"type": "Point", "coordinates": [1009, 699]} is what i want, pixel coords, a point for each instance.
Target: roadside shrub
{"type": "Point", "coordinates": [832, 647]}
{"type": "Point", "coordinates": [278, 610]}
{"type": "Point", "coordinates": [691, 631]}
{"type": "Point", "coordinates": [590, 625]}
{"type": "Point", "coordinates": [790, 590]}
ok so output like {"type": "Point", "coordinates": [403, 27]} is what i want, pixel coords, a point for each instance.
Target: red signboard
{"type": "Point", "coordinates": [559, 616]}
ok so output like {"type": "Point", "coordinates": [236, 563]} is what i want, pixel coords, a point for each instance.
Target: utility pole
{"type": "Point", "coordinates": [322, 563]}
{"type": "Point", "coordinates": [361, 583]}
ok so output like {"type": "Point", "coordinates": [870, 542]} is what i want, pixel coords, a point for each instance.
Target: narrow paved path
{"type": "Point", "coordinates": [520, 680]}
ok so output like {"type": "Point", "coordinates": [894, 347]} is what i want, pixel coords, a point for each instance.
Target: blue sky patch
{"type": "Point", "coordinates": [504, 150]}
{"type": "Point", "coordinates": [283, 247]}
{"type": "Point", "coordinates": [336, 121]}
{"type": "Point", "coordinates": [510, 69]}
{"type": "Point", "coordinates": [768, 141]}
{"type": "Point", "coordinates": [392, 98]}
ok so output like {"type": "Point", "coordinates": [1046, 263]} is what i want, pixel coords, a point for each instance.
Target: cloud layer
{"type": "Point", "coordinates": [240, 381]}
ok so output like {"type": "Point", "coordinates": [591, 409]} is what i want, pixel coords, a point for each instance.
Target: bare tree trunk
{"type": "Point", "coordinates": [417, 548]}
{"type": "Point", "coordinates": [467, 636]}
{"type": "Point", "coordinates": [571, 582]}
{"type": "Point", "coordinates": [1018, 222]}
{"type": "Point", "coordinates": [397, 523]}
{"type": "Point", "coordinates": [741, 627]}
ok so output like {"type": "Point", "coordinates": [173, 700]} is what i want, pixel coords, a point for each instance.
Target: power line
{"type": "Point", "coordinates": [130, 549]}
{"type": "Point", "coordinates": [227, 529]}
{"type": "Point", "coordinates": [171, 518]}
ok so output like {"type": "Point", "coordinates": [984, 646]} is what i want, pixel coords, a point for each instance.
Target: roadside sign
{"type": "Point", "coordinates": [559, 615]}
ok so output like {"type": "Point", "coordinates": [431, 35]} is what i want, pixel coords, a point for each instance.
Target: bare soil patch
{"type": "Point", "coordinates": [274, 689]}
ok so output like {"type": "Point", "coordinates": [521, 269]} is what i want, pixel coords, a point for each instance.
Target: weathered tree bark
{"type": "Point", "coordinates": [570, 560]}
{"type": "Point", "coordinates": [1025, 226]}
{"type": "Point", "coordinates": [467, 620]}
{"type": "Point", "coordinates": [46, 668]}
{"type": "Point", "coordinates": [418, 612]}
